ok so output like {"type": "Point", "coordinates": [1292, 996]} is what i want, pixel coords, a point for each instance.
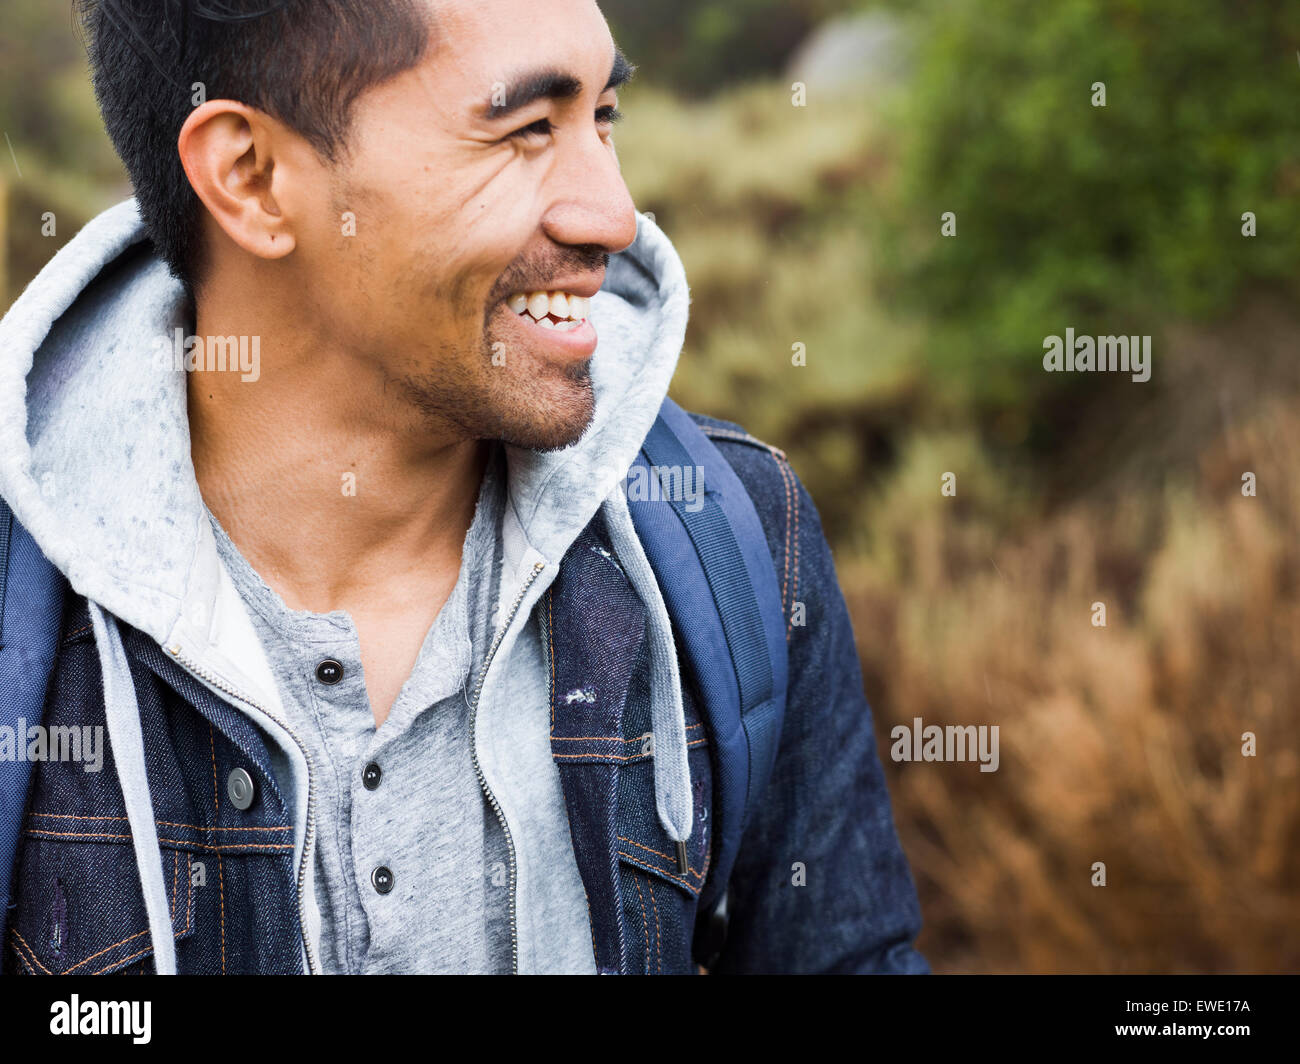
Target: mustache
{"type": "Point", "coordinates": [533, 273]}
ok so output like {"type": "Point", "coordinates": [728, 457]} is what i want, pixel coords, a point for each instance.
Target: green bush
{"type": "Point", "coordinates": [1108, 219]}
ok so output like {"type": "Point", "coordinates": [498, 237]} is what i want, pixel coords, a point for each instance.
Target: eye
{"type": "Point", "coordinates": [541, 128]}
{"type": "Point", "coordinates": [605, 116]}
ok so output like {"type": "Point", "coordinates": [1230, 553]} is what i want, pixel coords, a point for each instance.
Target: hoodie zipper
{"type": "Point", "coordinates": [309, 837]}
{"type": "Point", "coordinates": [310, 834]}
{"type": "Point", "coordinates": [478, 769]}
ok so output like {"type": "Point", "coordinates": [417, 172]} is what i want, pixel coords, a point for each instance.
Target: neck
{"type": "Point", "coordinates": [333, 489]}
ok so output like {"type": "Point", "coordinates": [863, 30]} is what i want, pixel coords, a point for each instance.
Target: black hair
{"type": "Point", "coordinates": [304, 62]}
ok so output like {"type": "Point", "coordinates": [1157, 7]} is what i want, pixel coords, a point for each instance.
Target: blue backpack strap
{"type": "Point", "coordinates": [31, 615]}
{"type": "Point", "coordinates": [720, 586]}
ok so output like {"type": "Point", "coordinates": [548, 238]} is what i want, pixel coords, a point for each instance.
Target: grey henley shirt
{"type": "Point", "coordinates": [411, 863]}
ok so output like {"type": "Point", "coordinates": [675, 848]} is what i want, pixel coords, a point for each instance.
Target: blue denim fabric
{"type": "Point", "coordinates": [230, 878]}
{"type": "Point", "coordinates": [642, 909]}
{"type": "Point", "coordinates": [77, 892]}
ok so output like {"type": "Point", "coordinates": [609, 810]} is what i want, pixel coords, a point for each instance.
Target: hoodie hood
{"type": "Point", "coordinates": [95, 463]}
{"type": "Point", "coordinates": [95, 444]}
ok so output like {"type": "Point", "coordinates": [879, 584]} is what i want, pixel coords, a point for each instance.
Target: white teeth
{"type": "Point", "coordinates": [568, 326]}
{"type": "Point", "coordinates": [539, 304]}
{"type": "Point", "coordinates": [546, 323]}
{"type": "Point", "coordinates": [560, 305]}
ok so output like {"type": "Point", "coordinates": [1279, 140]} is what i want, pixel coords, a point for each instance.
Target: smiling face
{"type": "Point", "coordinates": [487, 198]}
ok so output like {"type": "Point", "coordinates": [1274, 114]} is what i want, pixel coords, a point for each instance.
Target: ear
{"type": "Point", "coordinates": [240, 163]}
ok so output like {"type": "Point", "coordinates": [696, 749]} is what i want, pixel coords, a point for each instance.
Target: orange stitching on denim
{"type": "Point", "coordinates": [175, 865]}
{"type": "Point", "coordinates": [27, 946]}
{"type": "Point", "coordinates": [634, 858]}
{"type": "Point", "coordinates": [213, 847]}
{"type": "Point", "coordinates": [732, 434]}
{"type": "Point", "coordinates": [609, 738]}
{"type": "Point", "coordinates": [550, 643]}
{"type": "Point", "coordinates": [794, 588]}
{"type": "Point", "coordinates": [212, 745]}
{"type": "Point", "coordinates": [785, 571]}
{"type": "Point", "coordinates": [160, 823]}
{"type": "Point", "coordinates": [189, 879]}
{"type": "Point", "coordinates": [35, 960]}
{"type": "Point", "coordinates": [592, 738]}
{"type": "Point", "coordinates": [659, 957]}
{"type": "Point", "coordinates": [645, 927]}
{"type": "Point", "coordinates": [22, 960]}
{"type": "Point", "coordinates": [608, 757]}
{"type": "Point", "coordinates": [666, 857]}
{"type": "Point", "coordinates": [105, 950]}
{"type": "Point", "coordinates": [76, 834]}
{"type": "Point", "coordinates": [221, 886]}
{"type": "Point", "coordinates": [79, 631]}
{"type": "Point", "coordinates": [69, 816]}
{"type": "Point", "coordinates": [189, 892]}
{"type": "Point", "coordinates": [124, 960]}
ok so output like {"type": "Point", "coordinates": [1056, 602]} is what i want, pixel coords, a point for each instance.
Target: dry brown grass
{"type": "Point", "coordinates": [1120, 744]}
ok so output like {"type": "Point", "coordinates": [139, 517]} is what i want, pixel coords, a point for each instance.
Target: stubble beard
{"type": "Point", "coordinates": [528, 401]}
{"type": "Point", "coordinates": [548, 412]}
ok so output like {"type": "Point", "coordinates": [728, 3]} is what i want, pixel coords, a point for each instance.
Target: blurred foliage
{"type": "Point", "coordinates": [758, 197]}
{"type": "Point", "coordinates": [1120, 744]}
{"type": "Point", "coordinates": [1107, 219]}
{"type": "Point", "coordinates": [697, 46]}
{"type": "Point", "coordinates": [821, 225]}
{"type": "Point", "coordinates": [47, 107]}
{"type": "Point", "coordinates": [57, 157]}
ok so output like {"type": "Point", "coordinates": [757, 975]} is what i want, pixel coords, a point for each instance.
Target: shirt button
{"type": "Point", "coordinates": [371, 776]}
{"type": "Point", "coordinates": [239, 785]}
{"type": "Point", "coordinates": [382, 879]}
{"type": "Point", "coordinates": [329, 672]}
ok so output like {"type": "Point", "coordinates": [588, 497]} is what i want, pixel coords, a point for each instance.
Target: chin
{"type": "Point", "coordinates": [547, 409]}
{"type": "Point", "coordinates": [548, 420]}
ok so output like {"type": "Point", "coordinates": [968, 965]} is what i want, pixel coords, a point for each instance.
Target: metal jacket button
{"type": "Point", "coordinates": [382, 879]}
{"type": "Point", "coordinates": [239, 785]}
{"type": "Point", "coordinates": [329, 672]}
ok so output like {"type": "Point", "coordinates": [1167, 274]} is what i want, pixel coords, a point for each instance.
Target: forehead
{"type": "Point", "coordinates": [480, 45]}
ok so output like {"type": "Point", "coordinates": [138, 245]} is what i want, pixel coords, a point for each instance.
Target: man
{"type": "Point", "coordinates": [328, 439]}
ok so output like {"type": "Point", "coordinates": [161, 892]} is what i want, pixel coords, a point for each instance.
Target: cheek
{"type": "Point", "coordinates": [429, 248]}
{"type": "Point", "coordinates": [494, 231]}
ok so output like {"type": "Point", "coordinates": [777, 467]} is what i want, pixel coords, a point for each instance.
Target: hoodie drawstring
{"type": "Point", "coordinates": [667, 714]}
{"type": "Point", "coordinates": [122, 713]}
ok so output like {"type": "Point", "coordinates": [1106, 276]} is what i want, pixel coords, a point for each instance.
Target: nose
{"type": "Point", "coordinates": [590, 203]}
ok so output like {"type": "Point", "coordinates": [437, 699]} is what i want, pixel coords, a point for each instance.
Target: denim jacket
{"type": "Point", "coordinates": [820, 884]}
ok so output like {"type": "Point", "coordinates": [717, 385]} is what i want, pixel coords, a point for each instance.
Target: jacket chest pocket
{"type": "Point", "coordinates": [80, 909]}
{"type": "Point", "coordinates": [659, 900]}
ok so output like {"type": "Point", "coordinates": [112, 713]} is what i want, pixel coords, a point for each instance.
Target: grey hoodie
{"type": "Point", "coordinates": [95, 463]}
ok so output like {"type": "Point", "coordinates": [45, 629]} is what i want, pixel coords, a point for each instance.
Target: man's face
{"type": "Point", "coordinates": [483, 176]}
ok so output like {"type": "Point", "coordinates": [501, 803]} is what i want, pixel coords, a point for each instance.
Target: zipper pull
{"type": "Point", "coordinates": [682, 866]}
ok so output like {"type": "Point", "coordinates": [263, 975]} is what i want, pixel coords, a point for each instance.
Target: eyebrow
{"type": "Point", "coordinates": [552, 84]}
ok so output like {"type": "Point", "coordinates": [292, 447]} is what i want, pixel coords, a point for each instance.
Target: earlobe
{"type": "Point", "coordinates": [226, 151]}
